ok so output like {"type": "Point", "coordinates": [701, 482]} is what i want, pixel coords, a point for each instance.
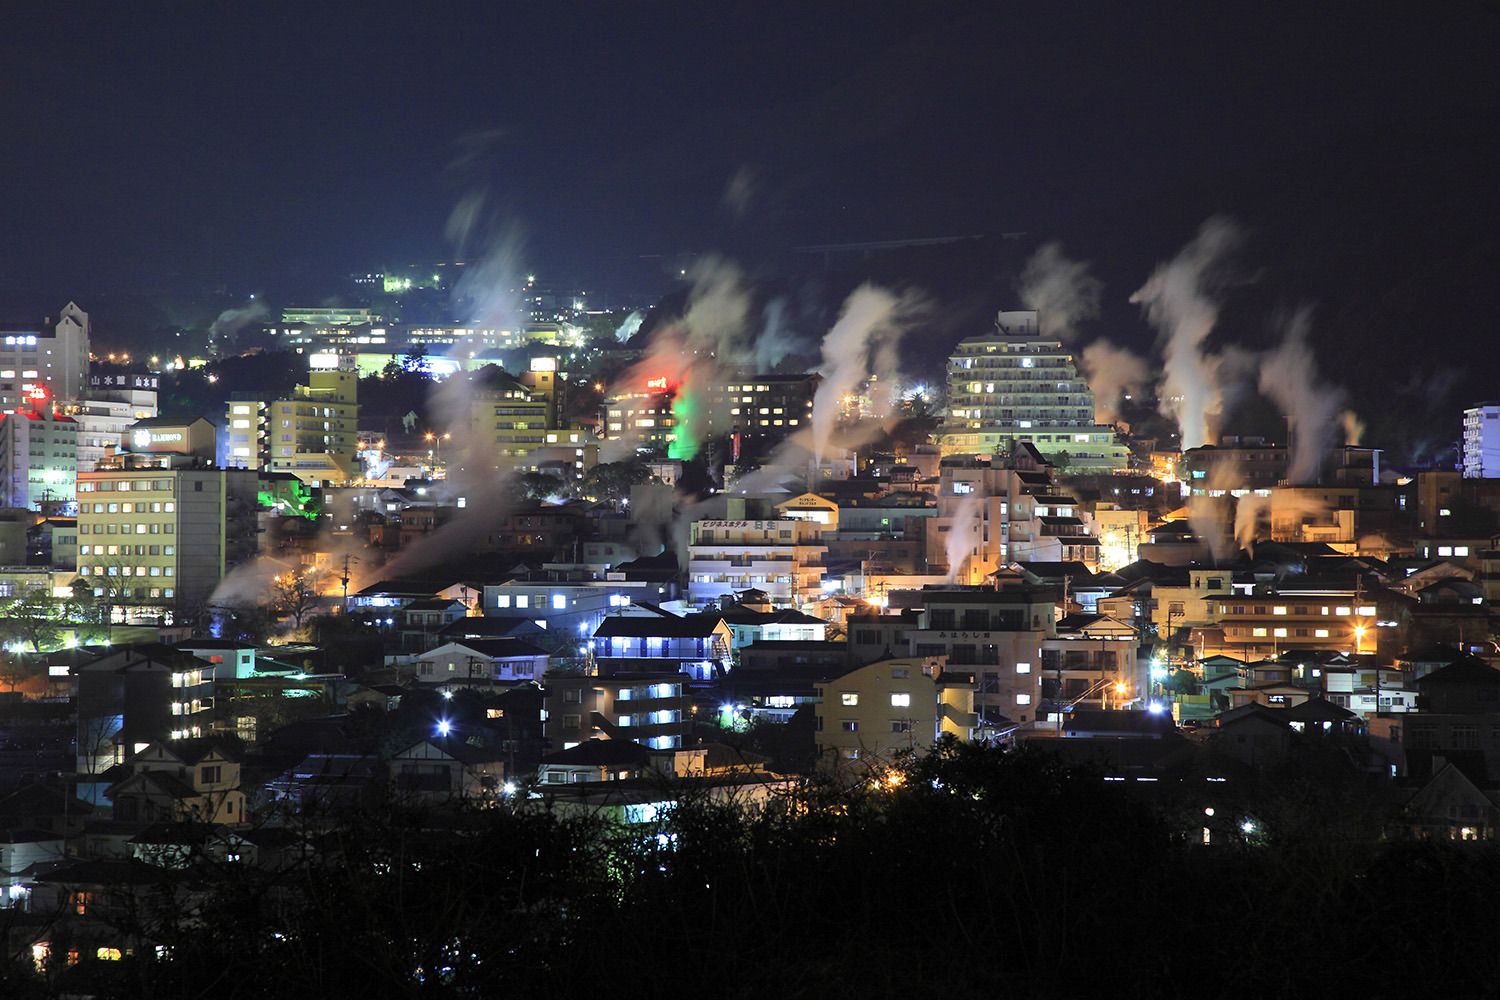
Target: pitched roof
{"type": "Point", "coordinates": [695, 626]}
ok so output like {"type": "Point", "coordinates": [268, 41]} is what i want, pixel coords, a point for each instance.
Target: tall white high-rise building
{"type": "Point", "coordinates": [1482, 442]}
{"type": "Point", "coordinates": [1013, 384]}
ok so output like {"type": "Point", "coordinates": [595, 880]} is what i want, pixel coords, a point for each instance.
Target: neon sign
{"type": "Point", "coordinates": [657, 383]}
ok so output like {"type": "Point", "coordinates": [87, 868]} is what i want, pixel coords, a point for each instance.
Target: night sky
{"type": "Point", "coordinates": [264, 146]}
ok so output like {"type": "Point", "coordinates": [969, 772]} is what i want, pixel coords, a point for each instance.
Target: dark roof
{"type": "Point", "coordinates": [431, 604]}
{"type": "Point", "coordinates": [1318, 710]}
{"type": "Point", "coordinates": [1469, 670]}
{"type": "Point", "coordinates": [597, 752]}
{"type": "Point", "coordinates": [645, 626]}
{"type": "Point", "coordinates": [497, 649]}
{"type": "Point", "coordinates": [488, 627]}
{"type": "Point", "coordinates": [736, 614]}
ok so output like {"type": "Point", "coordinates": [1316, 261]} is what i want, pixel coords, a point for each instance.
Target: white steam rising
{"type": "Point", "coordinates": [961, 534]}
{"type": "Point", "coordinates": [1181, 300]}
{"type": "Point", "coordinates": [1289, 377]}
{"type": "Point", "coordinates": [1062, 291]}
{"type": "Point", "coordinates": [862, 343]}
{"type": "Point", "coordinates": [1113, 373]}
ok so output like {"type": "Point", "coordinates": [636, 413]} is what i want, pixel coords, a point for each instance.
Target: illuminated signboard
{"type": "Point", "coordinates": [143, 438]}
{"type": "Point", "coordinates": [657, 383]}
{"type": "Point", "coordinates": [544, 364]}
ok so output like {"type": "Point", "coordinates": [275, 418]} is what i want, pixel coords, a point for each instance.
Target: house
{"type": "Point", "coordinates": [437, 770]}
{"type": "Point", "coordinates": [1088, 722]}
{"type": "Point", "coordinates": [1451, 806]}
{"type": "Point", "coordinates": [481, 662]}
{"type": "Point", "coordinates": [598, 759]}
{"type": "Point", "coordinates": [180, 780]}
{"type": "Point", "coordinates": [1252, 734]}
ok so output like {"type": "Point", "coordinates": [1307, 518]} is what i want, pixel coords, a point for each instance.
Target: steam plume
{"type": "Point", "coordinates": [1113, 372]}
{"type": "Point", "coordinates": [1252, 514]}
{"type": "Point", "coordinates": [1180, 300]}
{"type": "Point", "coordinates": [231, 321]}
{"type": "Point", "coordinates": [1061, 290]}
{"type": "Point", "coordinates": [862, 343]}
{"type": "Point", "coordinates": [961, 534]}
{"type": "Point", "coordinates": [1354, 428]}
{"type": "Point", "coordinates": [1289, 377]}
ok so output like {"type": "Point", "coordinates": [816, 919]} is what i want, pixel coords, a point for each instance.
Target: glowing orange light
{"type": "Point", "coordinates": [657, 383]}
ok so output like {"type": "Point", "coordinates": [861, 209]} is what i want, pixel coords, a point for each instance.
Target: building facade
{"type": "Point", "coordinates": [1013, 384]}
{"type": "Point", "coordinates": [1481, 457]}
{"type": "Point", "coordinates": [784, 558]}
{"type": "Point", "coordinates": [56, 362]}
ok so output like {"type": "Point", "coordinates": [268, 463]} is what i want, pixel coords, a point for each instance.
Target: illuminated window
{"type": "Point", "coordinates": [1279, 610]}
{"type": "Point", "coordinates": [1023, 668]}
{"type": "Point", "coordinates": [559, 602]}
{"type": "Point", "coordinates": [849, 698]}
{"type": "Point", "coordinates": [1023, 699]}
{"type": "Point", "coordinates": [1258, 632]}
{"type": "Point", "coordinates": [1280, 633]}
{"type": "Point", "coordinates": [901, 700]}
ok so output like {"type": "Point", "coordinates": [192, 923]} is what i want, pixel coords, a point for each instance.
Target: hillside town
{"type": "Point", "coordinates": [703, 588]}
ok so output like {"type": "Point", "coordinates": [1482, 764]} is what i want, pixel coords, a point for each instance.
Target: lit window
{"type": "Point", "coordinates": [1280, 633]}
{"type": "Point", "coordinates": [1279, 610]}
{"type": "Point", "coordinates": [849, 698]}
{"type": "Point", "coordinates": [502, 600]}
{"type": "Point", "coordinates": [1023, 699]}
{"type": "Point", "coordinates": [901, 700]}
{"type": "Point", "coordinates": [523, 601]}
{"type": "Point", "coordinates": [559, 602]}
{"type": "Point", "coordinates": [1023, 668]}
{"type": "Point", "coordinates": [1258, 632]}
{"type": "Point", "coordinates": [1367, 609]}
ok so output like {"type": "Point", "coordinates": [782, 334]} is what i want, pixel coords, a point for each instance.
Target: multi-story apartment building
{"type": "Point", "coordinates": [995, 635]}
{"type": "Point", "coordinates": [1012, 384]}
{"type": "Point", "coordinates": [696, 646]}
{"type": "Point", "coordinates": [1236, 465]}
{"type": "Point", "coordinates": [38, 457]}
{"type": "Point", "coordinates": [652, 709]}
{"type": "Point", "coordinates": [1004, 511]}
{"type": "Point", "coordinates": [1481, 455]}
{"type": "Point", "coordinates": [775, 405]}
{"type": "Point", "coordinates": [56, 363]}
{"type": "Point", "coordinates": [867, 716]}
{"type": "Point", "coordinates": [507, 419]}
{"type": "Point", "coordinates": [157, 539]}
{"type": "Point", "coordinates": [314, 435]}
{"type": "Point", "coordinates": [136, 695]}
{"type": "Point", "coordinates": [1285, 621]}
{"type": "Point", "coordinates": [785, 558]}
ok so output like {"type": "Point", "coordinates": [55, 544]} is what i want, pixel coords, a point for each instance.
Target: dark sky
{"type": "Point", "coordinates": [261, 145]}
